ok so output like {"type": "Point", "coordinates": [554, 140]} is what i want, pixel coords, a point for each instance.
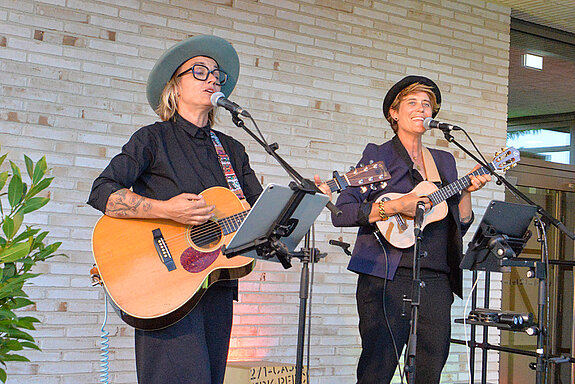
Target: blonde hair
{"type": "Point", "coordinates": [169, 98]}
{"type": "Point", "coordinates": [412, 88]}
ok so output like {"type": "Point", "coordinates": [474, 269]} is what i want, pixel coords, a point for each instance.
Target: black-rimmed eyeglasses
{"type": "Point", "coordinates": [201, 72]}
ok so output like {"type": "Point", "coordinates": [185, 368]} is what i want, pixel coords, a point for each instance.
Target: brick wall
{"type": "Point", "coordinates": [314, 72]}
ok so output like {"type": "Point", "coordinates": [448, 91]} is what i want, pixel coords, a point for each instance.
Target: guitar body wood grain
{"type": "Point", "coordinates": [148, 295]}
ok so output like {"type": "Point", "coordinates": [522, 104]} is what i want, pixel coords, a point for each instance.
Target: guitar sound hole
{"type": "Point", "coordinates": [206, 235]}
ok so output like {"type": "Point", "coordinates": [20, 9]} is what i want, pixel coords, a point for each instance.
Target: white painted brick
{"type": "Point", "coordinates": [141, 17]}
{"type": "Point", "coordinates": [309, 91]}
{"type": "Point", "coordinates": [113, 24]}
{"type": "Point", "coordinates": [37, 22]}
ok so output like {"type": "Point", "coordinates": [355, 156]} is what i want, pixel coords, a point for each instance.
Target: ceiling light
{"type": "Point", "coordinates": [532, 61]}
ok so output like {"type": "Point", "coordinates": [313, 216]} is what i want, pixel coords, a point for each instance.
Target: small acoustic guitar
{"type": "Point", "coordinates": [398, 229]}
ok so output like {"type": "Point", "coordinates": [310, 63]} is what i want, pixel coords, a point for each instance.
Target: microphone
{"type": "Point", "coordinates": [418, 220]}
{"type": "Point", "coordinates": [429, 123]}
{"type": "Point", "coordinates": [218, 99]}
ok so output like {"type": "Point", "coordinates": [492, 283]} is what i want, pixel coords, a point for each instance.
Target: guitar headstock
{"type": "Point", "coordinates": [506, 159]}
{"type": "Point", "coordinates": [368, 174]}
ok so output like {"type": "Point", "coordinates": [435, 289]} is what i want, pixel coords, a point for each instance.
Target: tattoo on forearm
{"type": "Point", "coordinates": [123, 203]}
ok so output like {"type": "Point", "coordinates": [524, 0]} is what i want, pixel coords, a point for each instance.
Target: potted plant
{"type": "Point", "coordinates": [21, 247]}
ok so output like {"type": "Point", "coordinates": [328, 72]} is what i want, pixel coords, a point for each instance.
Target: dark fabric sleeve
{"type": "Point", "coordinates": [123, 170]}
{"type": "Point", "coordinates": [352, 202]}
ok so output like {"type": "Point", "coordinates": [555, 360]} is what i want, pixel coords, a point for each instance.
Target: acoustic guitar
{"type": "Point", "coordinates": [398, 229]}
{"type": "Point", "coordinates": [156, 271]}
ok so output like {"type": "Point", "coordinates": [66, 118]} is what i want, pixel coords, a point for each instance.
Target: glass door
{"type": "Point", "coordinates": [552, 186]}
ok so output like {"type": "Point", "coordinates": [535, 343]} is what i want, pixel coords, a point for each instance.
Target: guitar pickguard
{"type": "Point", "coordinates": [195, 261]}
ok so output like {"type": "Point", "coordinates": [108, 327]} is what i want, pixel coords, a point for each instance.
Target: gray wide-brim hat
{"type": "Point", "coordinates": [404, 83]}
{"type": "Point", "coordinates": [203, 45]}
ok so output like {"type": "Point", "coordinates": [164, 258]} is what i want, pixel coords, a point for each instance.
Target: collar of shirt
{"type": "Point", "coordinates": [192, 129]}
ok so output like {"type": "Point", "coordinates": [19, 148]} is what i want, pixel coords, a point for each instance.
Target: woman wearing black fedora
{"type": "Point", "coordinates": [159, 175]}
{"type": "Point", "coordinates": [385, 270]}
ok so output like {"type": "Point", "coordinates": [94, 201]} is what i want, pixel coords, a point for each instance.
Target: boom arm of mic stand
{"type": "Point", "coordinates": [559, 225]}
{"type": "Point", "coordinates": [288, 168]}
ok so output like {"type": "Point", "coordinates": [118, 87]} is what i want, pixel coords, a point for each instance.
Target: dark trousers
{"type": "Point", "coordinates": [192, 351]}
{"type": "Point", "coordinates": [378, 361]}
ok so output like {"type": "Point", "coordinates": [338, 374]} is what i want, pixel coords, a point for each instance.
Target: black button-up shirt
{"type": "Point", "coordinates": [167, 158]}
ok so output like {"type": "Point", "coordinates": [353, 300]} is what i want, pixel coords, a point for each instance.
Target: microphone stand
{"type": "Point", "coordinates": [542, 353]}
{"type": "Point", "coordinates": [308, 253]}
{"type": "Point", "coordinates": [416, 286]}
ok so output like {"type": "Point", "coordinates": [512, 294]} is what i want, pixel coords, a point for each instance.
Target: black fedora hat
{"type": "Point", "coordinates": [406, 82]}
{"type": "Point", "coordinates": [202, 45]}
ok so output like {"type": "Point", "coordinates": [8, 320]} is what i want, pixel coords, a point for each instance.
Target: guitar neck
{"type": "Point", "coordinates": [455, 187]}
{"type": "Point", "coordinates": [231, 223]}
{"type": "Point", "coordinates": [334, 186]}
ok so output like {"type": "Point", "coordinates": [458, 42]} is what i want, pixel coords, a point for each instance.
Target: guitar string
{"type": "Point", "coordinates": [212, 228]}
{"type": "Point", "coordinates": [448, 191]}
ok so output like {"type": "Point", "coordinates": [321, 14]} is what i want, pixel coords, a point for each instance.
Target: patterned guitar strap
{"type": "Point", "coordinates": [226, 165]}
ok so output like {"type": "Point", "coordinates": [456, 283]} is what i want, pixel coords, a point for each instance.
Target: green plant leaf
{"type": "Point", "coordinates": [29, 166]}
{"type": "Point", "coordinates": [7, 314]}
{"type": "Point", "coordinates": [48, 251]}
{"type": "Point", "coordinates": [15, 170]}
{"type": "Point", "coordinates": [39, 170]}
{"type": "Point", "coordinates": [14, 252]}
{"type": "Point", "coordinates": [18, 218]}
{"type": "Point", "coordinates": [13, 357]}
{"type": "Point", "coordinates": [27, 344]}
{"type": "Point", "coordinates": [17, 334]}
{"type": "Point", "coordinates": [21, 302]}
{"type": "Point", "coordinates": [3, 178]}
{"type": "Point", "coordinates": [28, 233]}
{"type": "Point", "coordinates": [34, 203]}
{"type": "Point", "coordinates": [3, 158]}
{"type": "Point", "coordinates": [3, 375]}
{"type": "Point", "coordinates": [13, 345]}
{"type": "Point", "coordinates": [42, 185]}
{"type": "Point", "coordinates": [27, 322]}
{"type": "Point", "coordinates": [8, 227]}
{"type": "Point", "coordinates": [15, 189]}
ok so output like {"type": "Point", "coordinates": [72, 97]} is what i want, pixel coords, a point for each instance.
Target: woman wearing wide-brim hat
{"type": "Point", "coordinates": [385, 270]}
{"type": "Point", "coordinates": [160, 174]}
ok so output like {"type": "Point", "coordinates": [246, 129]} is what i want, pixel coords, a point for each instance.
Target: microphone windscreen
{"type": "Point", "coordinates": [215, 97]}
{"type": "Point", "coordinates": [427, 123]}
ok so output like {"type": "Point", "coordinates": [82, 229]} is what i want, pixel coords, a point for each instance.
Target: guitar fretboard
{"type": "Point", "coordinates": [332, 185]}
{"type": "Point", "coordinates": [455, 187]}
{"type": "Point", "coordinates": [232, 223]}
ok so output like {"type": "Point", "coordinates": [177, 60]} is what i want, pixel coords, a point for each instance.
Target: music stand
{"type": "Point", "coordinates": [276, 224]}
{"type": "Point", "coordinates": [502, 234]}
{"type": "Point", "coordinates": [499, 239]}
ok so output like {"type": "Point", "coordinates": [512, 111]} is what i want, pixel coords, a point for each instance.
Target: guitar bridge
{"type": "Point", "coordinates": [163, 250]}
{"type": "Point", "coordinates": [400, 221]}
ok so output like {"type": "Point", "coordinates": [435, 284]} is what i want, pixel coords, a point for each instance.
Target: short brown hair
{"type": "Point", "coordinates": [413, 88]}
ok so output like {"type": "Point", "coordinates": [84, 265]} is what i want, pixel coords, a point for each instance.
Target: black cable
{"type": "Point", "coordinates": [474, 146]}
{"type": "Point", "coordinates": [376, 234]}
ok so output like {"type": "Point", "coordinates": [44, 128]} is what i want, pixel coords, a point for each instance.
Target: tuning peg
{"type": "Point", "coordinates": [383, 184]}
{"type": "Point", "coordinates": [373, 187]}
{"type": "Point", "coordinates": [351, 168]}
{"type": "Point", "coordinates": [363, 189]}
{"type": "Point", "coordinates": [360, 165]}
{"type": "Point", "coordinates": [371, 162]}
